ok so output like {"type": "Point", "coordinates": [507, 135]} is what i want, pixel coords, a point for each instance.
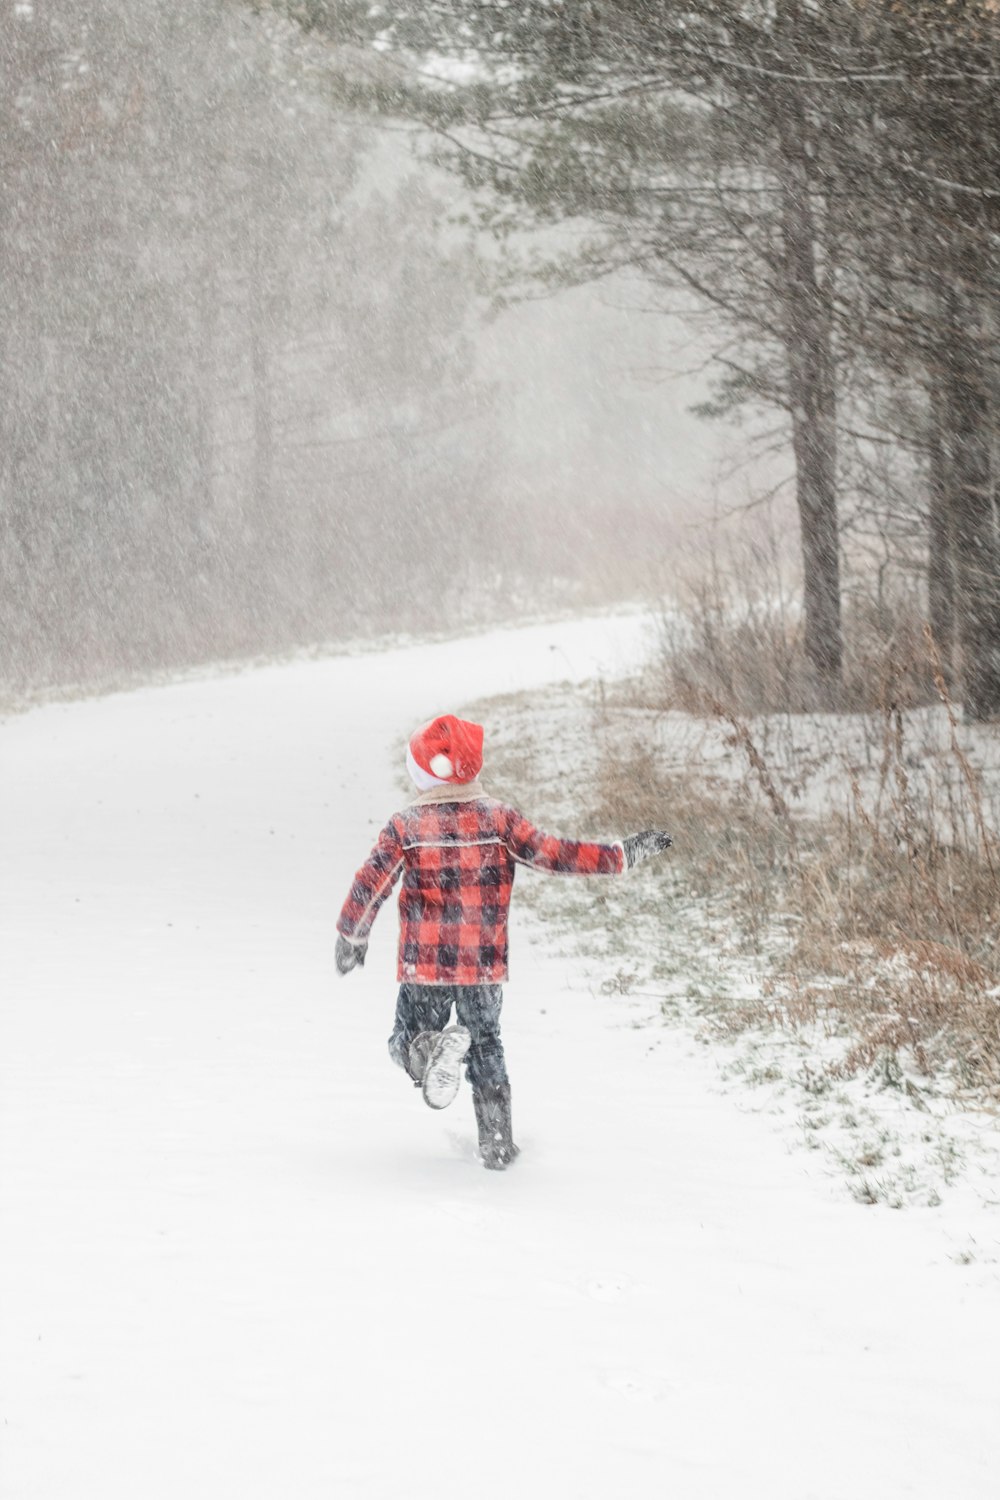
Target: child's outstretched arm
{"type": "Point", "coordinates": [543, 851]}
{"type": "Point", "coordinates": [370, 887]}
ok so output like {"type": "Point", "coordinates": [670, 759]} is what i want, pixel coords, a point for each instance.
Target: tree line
{"type": "Point", "coordinates": [235, 366]}
{"type": "Point", "coordinates": [825, 177]}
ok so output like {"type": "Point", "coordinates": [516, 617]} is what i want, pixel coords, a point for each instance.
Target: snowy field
{"type": "Point", "coordinates": [240, 1258]}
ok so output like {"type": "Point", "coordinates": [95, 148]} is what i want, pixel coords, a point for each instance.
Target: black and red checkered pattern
{"type": "Point", "coordinates": [457, 860]}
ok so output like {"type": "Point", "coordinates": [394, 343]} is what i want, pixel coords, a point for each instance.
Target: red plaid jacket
{"type": "Point", "coordinates": [457, 860]}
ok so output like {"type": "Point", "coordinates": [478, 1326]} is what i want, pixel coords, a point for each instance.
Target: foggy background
{"type": "Point", "coordinates": [255, 394]}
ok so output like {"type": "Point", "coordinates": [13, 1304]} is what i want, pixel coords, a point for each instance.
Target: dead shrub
{"type": "Point", "coordinates": [891, 908]}
{"type": "Point", "coordinates": [735, 637]}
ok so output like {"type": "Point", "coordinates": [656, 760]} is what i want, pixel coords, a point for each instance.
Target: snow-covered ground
{"type": "Point", "coordinates": [240, 1258]}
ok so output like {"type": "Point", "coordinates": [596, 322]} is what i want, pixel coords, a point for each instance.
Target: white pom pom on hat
{"type": "Point", "coordinates": [445, 750]}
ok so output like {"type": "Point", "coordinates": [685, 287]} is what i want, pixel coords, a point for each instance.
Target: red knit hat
{"type": "Point", "coordinates": [448, 749]}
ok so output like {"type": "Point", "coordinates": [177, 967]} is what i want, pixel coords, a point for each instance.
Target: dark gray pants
{"type": "Point", "coordinates": [427, 1007]}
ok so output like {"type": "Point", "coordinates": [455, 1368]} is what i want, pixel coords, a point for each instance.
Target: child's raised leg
{"type": "Point", "coordinates": [425, 1045]}
{"type": "Point", "coordinates": [421, 1009]}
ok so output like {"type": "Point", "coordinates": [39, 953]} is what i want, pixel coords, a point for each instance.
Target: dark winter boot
{"type": "Point", "coordinates": [496, 1144]}
{"type": "Point", "coordinates": [443, 1067]}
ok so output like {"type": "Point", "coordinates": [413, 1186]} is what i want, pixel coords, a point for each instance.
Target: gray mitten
{"type": "Point", "coordinates": [640, 846]}
{"type": "Point", "coordinates": [348, 954]}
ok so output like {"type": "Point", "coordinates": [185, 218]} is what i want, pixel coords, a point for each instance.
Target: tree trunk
{"type": "Point", "coordinates": [940, 539]}
{"type": "Point", "coordinates": [974, 518]}
{"type": "Point", "coordinates": [262, 478]}
{"type": "Point", "coordinates": [813, 400]}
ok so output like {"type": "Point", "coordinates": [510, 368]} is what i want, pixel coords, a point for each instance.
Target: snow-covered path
{"type": "Point", "coordinates": [238, 1256]}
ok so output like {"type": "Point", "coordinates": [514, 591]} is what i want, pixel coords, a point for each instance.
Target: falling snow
{"type": "Point", "coordinates": [625, 374]}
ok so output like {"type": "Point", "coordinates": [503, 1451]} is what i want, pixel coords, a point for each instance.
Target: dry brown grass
{"type": "Point", "coordinates": [737, 638]}
{"type": "Point", "coordinates": [756, 664]}
{"type": "Point", "coordinates": [892, 908]}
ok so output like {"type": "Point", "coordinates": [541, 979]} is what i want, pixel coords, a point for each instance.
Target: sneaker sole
{"type": "Point", "coordinates": [444, 1071]}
